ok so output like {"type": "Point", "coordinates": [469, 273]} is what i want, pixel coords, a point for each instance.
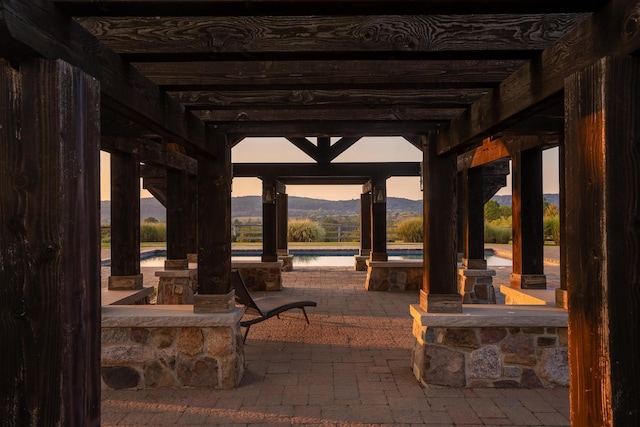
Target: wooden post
{"type": "Point", "coordinates": [50, 245]}
{"type": "Point", "coordinates": [460, 226]}
{"type": "Point", "coordinates": [269, 231]}
{"type": "Point", "coordinates": [602, 130]}
{"type": "Point", "coordinates": [176, 221]}
{"type": "Point", "coordinates": [379, 219]}
{"type": "Point", "coordinates": [125, 222]}
{"type": "Point", "coordinates": [528, 231]}
{"type": "Point", "coordinates": [214, 229]}
{"type": "Point", "coordinates": [282, 223]}
{"type": "Point", "coordinates": [191, 217]}
{"type": "Point", "coordinates": [440, 286]}
{"type": "Point", "coordinates": [473, 219]}
{"type": "Point", "coordinates": [365, 224]}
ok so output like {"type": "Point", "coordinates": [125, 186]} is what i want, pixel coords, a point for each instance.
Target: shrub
{"type": "Point", "coordinates": [497, 234]}
{"type": "Point", "coordinates": [552, 229]}
{"type": "Point", "coordinates": [153, 232]}
{"type": "Point", "coordinates": [410, 230]}
{"type": "Point", "coordinates": [305, 230]}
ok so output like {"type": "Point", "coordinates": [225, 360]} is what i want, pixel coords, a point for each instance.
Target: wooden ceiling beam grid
{"type": "Point", "coordinates": [49, 33]}
{"type": "Point", "coordinates": [612, 30]}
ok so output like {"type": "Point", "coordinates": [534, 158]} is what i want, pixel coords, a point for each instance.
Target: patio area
{"type": "Point", "coordinates": [350, 366]}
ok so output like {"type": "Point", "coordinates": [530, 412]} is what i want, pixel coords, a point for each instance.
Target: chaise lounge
{"type": "Point", "coordinates": [264, 307]}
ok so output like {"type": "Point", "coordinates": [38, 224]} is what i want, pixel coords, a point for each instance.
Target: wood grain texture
{"type": "Point", "coordinates": [591, 39]}
{"type": "Point", "coordinates": [603, 241]}
{"type": "Point", "coordinates": [284, 34]}
{"type": "Point", "coordinates": [316, 7]}
{"type": "Point", "coordinates": [325, 74]}
{"type": "Point", "coordinates": [337, 170]}
{"type": "Point", "coordinates": [51, 34]}
{"type": "Point", "coordinates": [49, 207]}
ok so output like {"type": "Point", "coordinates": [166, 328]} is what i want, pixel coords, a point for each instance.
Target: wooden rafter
{"type": "Point", "coordinates": [47, 32]}
{"type": "Point", "coordinates": [530, 86]}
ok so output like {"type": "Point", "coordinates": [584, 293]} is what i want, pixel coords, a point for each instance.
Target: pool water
{"type": "Point", "coordinates": [328, 260]}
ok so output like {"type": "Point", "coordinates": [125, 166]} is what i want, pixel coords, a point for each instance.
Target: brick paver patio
{"type": "Point", "coordinates": [350, 366]}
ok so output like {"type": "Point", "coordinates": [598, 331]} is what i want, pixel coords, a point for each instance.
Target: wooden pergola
{"type": "Point", "coordinates": [174, 85]}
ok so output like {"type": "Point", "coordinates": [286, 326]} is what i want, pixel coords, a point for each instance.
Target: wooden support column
{"type": "Point", "coordinates": [282, 223]}
{"type": "Point", "coordinates": [440, 286]}
{"type": "Point", "coordinates": [379, 219]}
{"type": "Point", "coordinates": [527, 211]}
{"type": "Point", "coordinates": [460, 224]}
{"type": "Point", "coordinates": [125, 222]}
{"type": "Point", "coordinates": [269, 230]}
{"type": "Point", "coordinates": [191, 215]}
{"type": "Point", "coordinates": [176, 221]}
{"type": "Point", "coordinates": [473, 219]}
{"type": "Point", "coordinates": [602, 236]}
{"type": "Point", "coordinates": [49, 245]}
{"type": "Point", "coordinates": [365, 224]}
{"type": "Point", "coordinates": [214, 229]}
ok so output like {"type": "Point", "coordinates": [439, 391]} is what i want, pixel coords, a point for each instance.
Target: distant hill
{"type": "Point", "coordinates": [299, 207]}
{"type": "Point", "coordinates": [553, 198]}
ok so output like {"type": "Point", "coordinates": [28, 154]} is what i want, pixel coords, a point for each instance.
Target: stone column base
{"type": "Point", "coordinates": [440, 303]}
{"type": "Point", "coordinates": [561, 299]}
{"type": "Point", "coordinates": [476, 286]}
{"type": "Point", "coordinates": [287, 262]}
{"type": "Point", "coordinates": [214, 303]}
{"type": "Point", "coordinates": [176, 286]}
{"type": "Point", "coordinates": [125, 283]}
{"type": "Point", "coordinates": [528, 281]}
{"type": "Point", "coordinates": [360, 262]}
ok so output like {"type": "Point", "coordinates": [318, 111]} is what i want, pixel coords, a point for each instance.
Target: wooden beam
{"type": "Point", "coordinates": [151, 152]}
{"type": "Point", "coordinates": [393, 113]}
{"type": "Point", "coordinates": [335, 34]}
{"type": "Point", "coordinates": [327, 74]}
{"type": "Point", "coordinates": [341, 170]}
{"type": "Point", "coordinates": [445, 98]}
{"type": "Point", "coordinates": [316, 7]}
{"type": "Point", "coordinates": [543, 78]}
{"type": "Point", "coordinates": [492, 150]}
{"type": "Point", "coordinates": [324, 128]}
{"type": "Point", "coordinates": [50, 33]}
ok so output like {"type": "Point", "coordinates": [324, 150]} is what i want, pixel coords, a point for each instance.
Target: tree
{"type": "Point", "coordinates": [492, 211]}
{"type": "Point", "coordinates": [150, 219]}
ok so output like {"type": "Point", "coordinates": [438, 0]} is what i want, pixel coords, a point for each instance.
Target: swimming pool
{"type": "Point", "coordinates": [307, 258]}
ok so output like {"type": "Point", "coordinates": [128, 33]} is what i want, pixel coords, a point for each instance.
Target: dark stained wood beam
{"type": "Point", "coordinates": [325, 128]}
{"type": "Point", "coordinates": [612, 30]}
{"type": "Point", "coordinates": [140, 36]}
{"type": "Point", "coordinates": [327, 74]}
{"type": "Point", "coordinates": [393, 113]}
{"type": "Point", "coordinates": [445, 98]}
{"type": "Point", "coordinates": [312, 170]}
{"type": "Point", "coordinates": [492, 150]}
{"type": "Point", "coordinates": [317, 7]}
{"type": "Point", "coordinates": [151, 152]}
{"type": "Point", "coordinates": [415, 140]}
{"type": "Point", "coordinates": [324, 180]}
{"type": "Point", "coordinates": [50, 33]}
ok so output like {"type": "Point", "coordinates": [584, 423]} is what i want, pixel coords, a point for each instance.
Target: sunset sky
{"type": "Point", "coordinates": [379, 149]}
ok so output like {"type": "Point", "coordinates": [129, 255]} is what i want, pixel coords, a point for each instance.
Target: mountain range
{"type": "Point", "coordinates": [299, 207]}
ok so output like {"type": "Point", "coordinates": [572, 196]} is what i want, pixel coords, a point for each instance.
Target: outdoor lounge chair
{"type": "Point", "coordinates": [264, 307]}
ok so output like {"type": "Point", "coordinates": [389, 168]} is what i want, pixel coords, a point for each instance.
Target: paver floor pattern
{"type": "Point", "coordinates": [349, 367]}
